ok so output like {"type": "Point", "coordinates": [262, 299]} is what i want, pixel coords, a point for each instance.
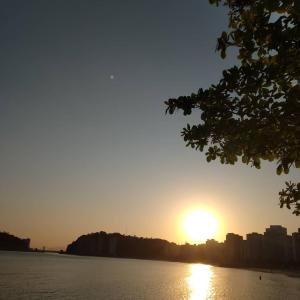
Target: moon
{"type": "Point", "coordinates": [112, 77]}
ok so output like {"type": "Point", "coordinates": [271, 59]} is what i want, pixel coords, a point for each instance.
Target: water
{"type": "Point", "coordinates": [52, 276]}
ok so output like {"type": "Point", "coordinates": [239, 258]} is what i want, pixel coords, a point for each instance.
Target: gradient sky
{"type": "Point", "coordinates": [82, 151]}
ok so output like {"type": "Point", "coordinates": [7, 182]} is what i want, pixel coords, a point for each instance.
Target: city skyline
{"type": "Point", "coordinates": [85, 143]}
{"type": "Point", "coordinates": [242, 236]}
{"type": "Point", "coordinates": [274, 248]}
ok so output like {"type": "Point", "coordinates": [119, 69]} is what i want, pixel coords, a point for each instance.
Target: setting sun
{"type": "Point", "coordinates": [199, 226]}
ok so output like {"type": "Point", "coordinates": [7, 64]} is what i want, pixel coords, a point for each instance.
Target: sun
{"type": "Point", "coordinates": [199, 226]}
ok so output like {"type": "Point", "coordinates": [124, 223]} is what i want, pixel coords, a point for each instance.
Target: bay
{"type": "Point", "coordinates": [30, 276]}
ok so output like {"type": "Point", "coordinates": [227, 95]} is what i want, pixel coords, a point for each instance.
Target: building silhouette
{"type": "Point", "coordinates": [275, 245]}
{"type": "Point", "coordinates": [253, 248]}
{"type": "Point", "coordinates": [233, 248]}
{"type": "Point", "coordinates": [273, 249]}
{"type": "Point", "coordinates": [296, 247]}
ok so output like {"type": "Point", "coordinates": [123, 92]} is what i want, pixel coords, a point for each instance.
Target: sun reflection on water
{"type": "Point", "coordinates": [199, 281]}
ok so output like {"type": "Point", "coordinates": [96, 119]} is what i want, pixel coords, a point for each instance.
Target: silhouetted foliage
{"type": "Point", "coordinates": [291, 196]}
{"type": "Point", "coordinates": [253, 112]}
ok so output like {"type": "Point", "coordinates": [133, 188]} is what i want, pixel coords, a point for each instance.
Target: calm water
{"type": "Point", "coordinates": [53, 276]}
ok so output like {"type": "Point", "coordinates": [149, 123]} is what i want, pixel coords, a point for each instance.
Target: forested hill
{"type": "Point", "coordinates": [118, 245]}
{"type": "Point", "coordinates": [11, 242]}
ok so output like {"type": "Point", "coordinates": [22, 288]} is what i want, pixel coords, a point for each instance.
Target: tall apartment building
{"type": "Point", "coordinates": [296, 246]}
{"type": "Point", "coordinates": [277, 245]}
{"type": "Point", "coordinates": [233, 248]}
{"type": "Point", "coordinates": [253, 248]}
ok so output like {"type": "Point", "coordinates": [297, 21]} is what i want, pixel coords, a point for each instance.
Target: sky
{"type": "Point", "coordinates": [85, 144]}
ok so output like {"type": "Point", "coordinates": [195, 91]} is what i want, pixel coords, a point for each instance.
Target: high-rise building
{"type": "Point", "coordinates": [233, 248]}
{"type": "Point", "coordinates": [214, 251]}
{"type": "Point", "coordinates": [277, 245]}
{"type": "Point", "coordinates": [253, 248]}
{"type": "Point", "coordinates": [296, 246]}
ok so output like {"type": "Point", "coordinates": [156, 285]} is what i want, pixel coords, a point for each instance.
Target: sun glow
{"type": "Point", "coordinates": [199, 226]}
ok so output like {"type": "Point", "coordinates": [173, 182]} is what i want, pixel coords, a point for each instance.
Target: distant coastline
{"type": "Point", "coordinates": [234, 252]}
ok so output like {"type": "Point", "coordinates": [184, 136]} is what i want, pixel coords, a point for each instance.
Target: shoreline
{"type": "Point", "coordinates": [288, 272]}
